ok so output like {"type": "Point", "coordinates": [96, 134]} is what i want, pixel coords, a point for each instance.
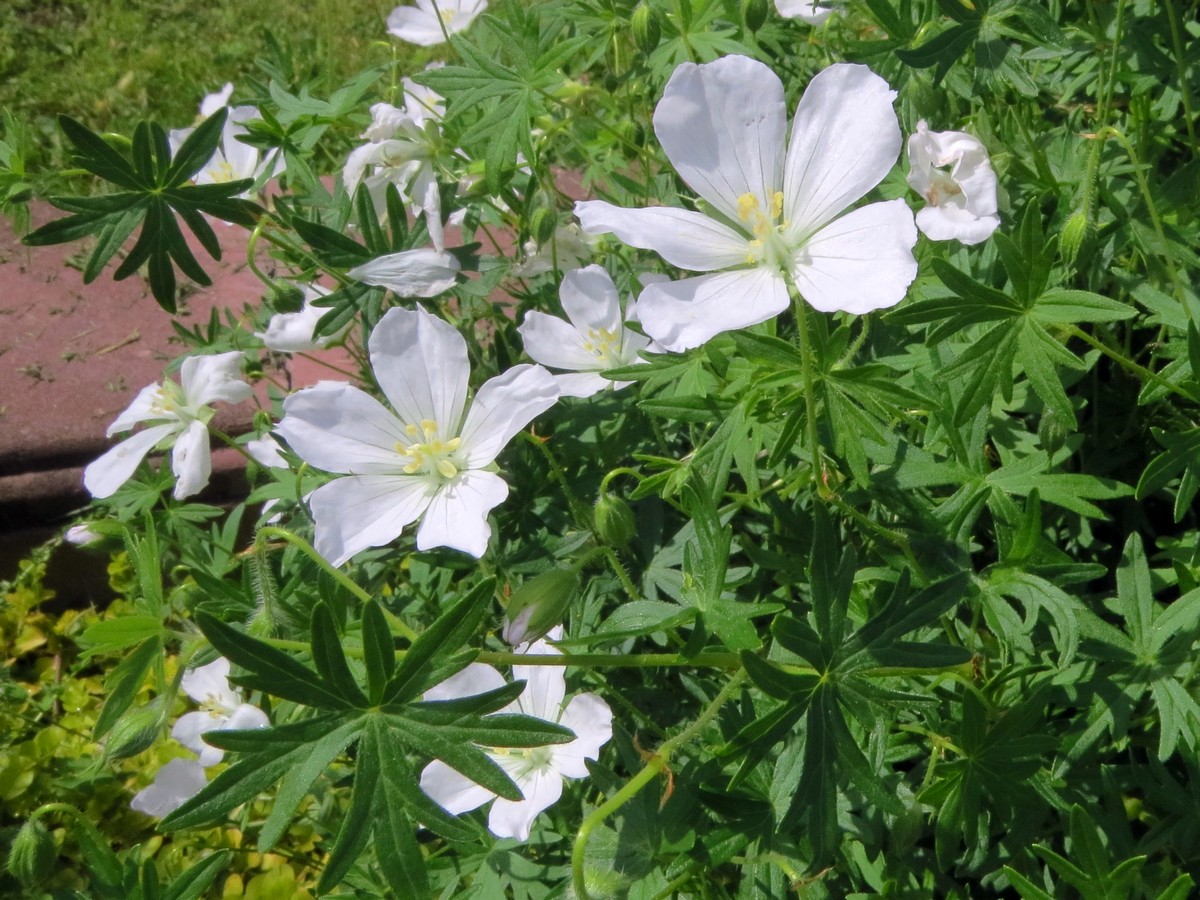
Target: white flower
{"type": "Point", "coordinates": [569, 246]}
{"type": "Point", "coordinates": [293, 332]}
{"type": "Point", "coordinates": [178, 415]}
{"type": "Point", "coordinates": [430, 21]}
{"type": "Point", "coordinates": [595, 339]}
{"type": "Point", "coordinates": [537, 771]}
{"type": "Point", "coordinates": [410, 273]}
{"type": "Point", "coordinates": [814, 12]}
{"type": "Point", "coordinates": [430, 459]}
{"type": "Point", "coordinates": [177, 782]}
{"type": "Point", "coordinates": [961, 201]}
{"type": "Point", "coordinates": [423, 104]}
{"type": "Point", "coordinates": [222, 709]}
{"type": "Point", "coordinates": [233, 160]}
{"type": "Point", "coordinates": [401, 150]}
{"type": "Point", "coordinates": [723, 126]}
{"type": "Point", "coordinates": [82, 535]}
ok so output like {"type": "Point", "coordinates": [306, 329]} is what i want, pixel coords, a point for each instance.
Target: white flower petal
{"type": "Point", "coordinates": [177, 782]}
{"type": "Point", "coordinates": [188, 730]}
{"type": "Point", "coordinates": [555, 343]}
{"type": "Point", "coordinates": [689, 240]}
{"type": "Point", "coordinates": [421, 363]}
{"type": "Point", "coordinates": [949, 223]}
{"type": "Point", "coordinates": [514, 819]}
{"type": "Point", "coordinates": [210, 684]}
{"type": "Point", "coordinates": [505, 405]}
{"type": "Point", "coordinates": [293, 332]}
{"type": "Point", "coordinates": [477, 678]}
{"type": "Point", "coordinates": [590, 299]}
{"type": "Point", "coordinates": [410, 273]}
{"type": "Point", "coordinates": [142, 409]}
{"type": "Point", "coordinates": [861, 262]}
{"type": "Point", "coordinates": [114, 468]}
{"type": "Point", "coordinates": [545, 686]}
{"type": "Point", "coordinates": [214, 101]}
{"type": "Point", "coordinates": [845, 140]}
{"type": "Point", "coordinates": [339, 428]}
{"type": "Point", "coordinates": [591, 719]}
{"type": "Point", "coordinates": [722, 126]}
{"type": "Point", "coordinates": [451, 790]}
{"type": "Point", "coordinates": [457, 513]}
{"type": "Point", "coordinates": [191, 460]}
{"type": "Point", "coordinates": [265, 451]}
{"type": "Point", "coordinates": [206, 379]}
{"type": "Point", "coordinates": [245, 717]}
{"type": "Point", "coordinates": [585, 384]}
{"type": "Point", "coordinates": [361, 511]}
{"type": "Point", "coordinates": [683, 314]}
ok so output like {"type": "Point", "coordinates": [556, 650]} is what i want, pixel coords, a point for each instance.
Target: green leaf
{"type": "Point", "coordinates": [775, 682]}
{"type": "Point", "coordinates": [642, 617]}
{"type": "Point", "coordinates": [447, 634]}
{"type": "Point", "coordinates": [124, 681]}
{"type": "Point", "coordinates": [1072, 307]}
{"type": "Point", "coordinates": [117, 634]}
{"type": "Point", "coordinates": [196, 150]}
{"type": "Point", "coordinates": [197, 879]}
{"type": "Point", "coordinates": [1135, 594]}
{"type": "Point", "coordinates": [357, 821]}
{"type": "Point", "coordinates": [95, 155]}
{"type": "Point", "coordinates": [379, 651]}
{"type": "Point", "coordinates": [330, 659]}
{"type": "Point", "coordinates": [462, 756]}
{"type": "Point", "coordinates": [401, 789]}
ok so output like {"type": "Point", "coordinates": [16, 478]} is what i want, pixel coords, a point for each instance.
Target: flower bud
{"type": "Point", "coordinates": [542, 225]}
{"type": "Point", "coordinates": [134, 732]}
{"type": "Point", "coordinates": [1074, 233]}
{"type": "Point", "coordinates": [33, 853]}
{"type": "Point", "coordinates": [1053, 432]}
{"type": "Point", "coordinates": [538, 605]}
{"type": "Point", "coordinates": [754, 13]}
{"type": "Point", "coordinates": [646, 30]}
{"type": "Point", "coordinates": [285, 298]}
{"type": "Point", "coordinates": [613, 520]}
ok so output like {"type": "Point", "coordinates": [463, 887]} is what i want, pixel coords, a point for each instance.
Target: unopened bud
{"type": "Point", "coordinates": [754, 13]}
{"type": "Point", "coordinates": [538, 605]}
{"type": "Point", "coordinates": [1074, 233]}
{"type": "Point", "coordinates": [542, 224]}
{"type": "Point", "coordinates": [613, 520]}
{"type": "Point", "coordinates": [32, 855]}
{"type": "Point", "coordinates": [1053, 432]}
{"type": "Point", "coordinates": [285, 298]}
{"type": "Point", "coordinates": [646, 30]}
{"type": "Point", "coordinates": [134, 732]}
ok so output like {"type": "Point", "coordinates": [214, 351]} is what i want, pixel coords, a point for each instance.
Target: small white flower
{"type": "Point", "coordinates": [961, 201]}
{"type": "Point", "coordinates": [570, 247]}
{"type": "Point", "coordinates": [423, 104]}
{"type": "Point", "coordinates": [431, 459]}
{"type": "Point", "coordinates": [177, 782]}
{"type": "Point", "coordinates": [430, 21]}
{"type": "Point", "coordinates": [777, 209]}
{"type": "Point", "coordinates": [401, 150]}
{"type": "Point", "coordinates": [222, 709]}
{"type": "Point", "coordinates": [293, 332]}
{"type": "Point", "coordinates": [178, 415]}
{"type": "Point", "coordinates": [82, 535]}
{"type": "Point", "coordinates": [537, 771]}
{"type": "Point", "coordinates": [814, 12]}
{"type": "Point", "coordinates": [410, 273]}
{"type": "Point", "coordinates": [233, 160]}
{"type": "Point", "coordinates": [594, 340]}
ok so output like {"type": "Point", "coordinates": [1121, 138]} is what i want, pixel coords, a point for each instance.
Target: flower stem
{"type": "Point", "coordinates": [810, 400]}
{"type": "Point", "coordinates": [657, 762]}
{"type": "Point", "coordinates": [1185, 92]}
{"type": "Point", "coordinates": [1128, 364]}
{"type": "Point", "coordinates": [578, 510]}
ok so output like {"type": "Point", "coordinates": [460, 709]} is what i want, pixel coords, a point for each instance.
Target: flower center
{"type": "Point", "coordinates": [428, 454]}
{"type": "Point", "coordinates": [603, 344]}
{"type": "Point", "coordinates": [942, 188]}
{"type": "Point", "coordinates": [221, 173]}
{"type": "Point", "coordinates": [768, 247]}
{"type": "Point", "coordinates": [531, 759]}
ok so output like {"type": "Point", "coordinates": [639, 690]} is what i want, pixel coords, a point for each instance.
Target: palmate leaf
{"type": "Point", "coordinates": [155, 189]}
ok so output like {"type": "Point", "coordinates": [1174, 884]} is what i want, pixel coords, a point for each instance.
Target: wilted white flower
{"type": "Point", "coordinates": [723, 126]}
{"type": "Point", "coordinates": [410, 273]}
{"type": "Point", "coordinates": [233, 160]}
{"type": "Point", "coordinates": [537, 771]}
{"type": "Point", "coordinates": [961, 202]}
{"type": "Point", "coordinates": [222, 709]}
{"type": "Point", "coordinates": [178, 415]}
{"type": "Point", "coordinates": [293, 332]}
{"type": "Point", "coordinates": [401, 150]}
{"type": "Point", "coordinates": [570, 247]}
{"type": "Point", "coordinates": [595, 339]}
{"type": "Point", "coordinates": [430, 21]}
{"type": "Point", "coordinates": [430, 459]}
{"type": "Point", "coordinates": [814, 12]}
{"type": "Point", "coordinates": [177, 782]}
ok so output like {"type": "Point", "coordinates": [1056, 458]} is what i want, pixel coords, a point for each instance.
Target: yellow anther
{"type": "Point", "coordinates": [446, 468]}
{"type": "Point", "coordinates": [454, 443]}
{"type": "Point", "coordinates": [429, 427]}
{"type": "Point", "coordinates": [748, 208]}
{"type": "Point", "coordinates": [411, 430]}
{"type": "Point", "coordinates": [221, 173]}
{"type": "Point", "coordinates": [776, 205]}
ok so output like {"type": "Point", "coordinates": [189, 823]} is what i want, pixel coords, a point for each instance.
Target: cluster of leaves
{"type": "Point", "coordinates": [966, 619]}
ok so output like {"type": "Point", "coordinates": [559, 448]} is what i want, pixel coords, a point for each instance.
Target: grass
{"type": "Point", "coordinates": [110, 63]}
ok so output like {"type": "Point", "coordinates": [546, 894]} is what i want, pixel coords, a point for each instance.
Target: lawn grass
{"type": "Point", "coordinates": [110, 63]}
